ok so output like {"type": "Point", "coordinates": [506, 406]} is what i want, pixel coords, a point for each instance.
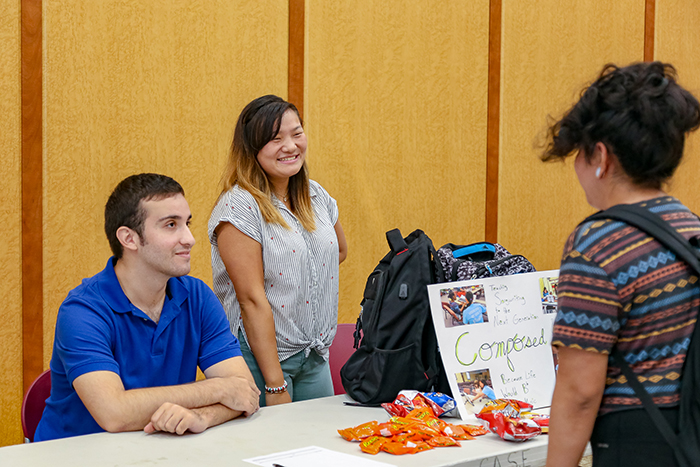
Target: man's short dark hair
{"type": "Point", "coordinates": [639, 112]}
{"type": "Point", "coordinates": [124, 206]}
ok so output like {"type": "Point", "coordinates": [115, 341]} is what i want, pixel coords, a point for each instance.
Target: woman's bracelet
{"type": "Point", "coordinates": [277, 390]}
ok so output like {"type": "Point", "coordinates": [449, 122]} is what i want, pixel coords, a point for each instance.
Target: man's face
{"type": "Point", "coordinates": [167, 240]}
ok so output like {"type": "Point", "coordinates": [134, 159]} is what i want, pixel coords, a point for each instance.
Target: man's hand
{"type": "Point", "coordinates": [276, 399]}
{"type": "Point", "coordinates": [240, 393]}
{"type": "Point", "coordinates": [173, 418]}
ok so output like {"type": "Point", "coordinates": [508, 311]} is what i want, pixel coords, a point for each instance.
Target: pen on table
{"type": "Point", "coordinates": [277, 465]}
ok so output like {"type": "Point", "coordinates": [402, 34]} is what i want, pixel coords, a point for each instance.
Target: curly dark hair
{"type": "Point", "coordinates": [639, 112]}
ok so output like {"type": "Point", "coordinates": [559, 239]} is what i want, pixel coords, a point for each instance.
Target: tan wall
{"type": "Point", "coordinates": [10, 227]}
{"type": "Point", "coordinates": [550, 50]}
{"type": "Point", "coordinates": [135, 87]}
{"type": "Point", "coordinates": [678, 41]}
{"type": "Point", "coordinates": [396, 117]}
{"type": "Point", "coordinates": [395, 106]}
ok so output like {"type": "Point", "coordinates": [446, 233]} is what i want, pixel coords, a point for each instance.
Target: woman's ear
{"type": "Point", "coordinates": [602, 158]}
{"type": "Point", "coordinates": [128, 238]}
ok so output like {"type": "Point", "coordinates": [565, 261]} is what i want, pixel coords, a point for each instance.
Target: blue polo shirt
{"type": "Point", "coordinates": [99, 329]}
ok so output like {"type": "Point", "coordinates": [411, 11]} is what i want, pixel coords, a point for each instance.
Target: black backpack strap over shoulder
{"type": "Point", "coordinates": [686, 453]}
{"type": "Point", "coordinates": [648, 403]}
{"type": "Point", "coordinates": [653, 225]}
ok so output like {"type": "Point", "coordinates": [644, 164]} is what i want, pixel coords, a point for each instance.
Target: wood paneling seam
{"type": "Point", "coordinates": [493, 121]}
{"type": "Point", "coordinates": [32, 217]}
{"type": "Point", "coordinates": [296, 54]}
{"type": "Point", "coordinates": [649, 29]}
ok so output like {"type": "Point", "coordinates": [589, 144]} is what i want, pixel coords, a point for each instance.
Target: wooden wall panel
{"type": "Point", "coordinates": [11, 226]}
{"type": "Point", "coordinates": [677, 41]}
{"type": "Point", "coordinates": [297, 47]}
{"type": "Point", "coordinates": [32, 193]}
{"type": "Point", "coordinates": [551, 49]}
{"type": "Point", "coordinates": [395, 98]}
{"type": "Point", "coordinates": [395, 110]}
{"type": "Point", "coordinates": [138, 87]}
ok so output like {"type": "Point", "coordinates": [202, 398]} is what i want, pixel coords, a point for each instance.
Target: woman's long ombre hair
{"type": "Point", "coordinates": [257, 125]}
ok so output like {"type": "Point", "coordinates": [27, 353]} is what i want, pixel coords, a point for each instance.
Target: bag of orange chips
{"type": "Point", "coordinates": [502, 416]}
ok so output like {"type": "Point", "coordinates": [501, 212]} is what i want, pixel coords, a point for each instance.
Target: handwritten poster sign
{"type": "Point", "coordinates": [495, 338]}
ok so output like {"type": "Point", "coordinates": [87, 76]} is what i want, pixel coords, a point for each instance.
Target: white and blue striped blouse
{"type": "Point", "coordinates": [301, 269]}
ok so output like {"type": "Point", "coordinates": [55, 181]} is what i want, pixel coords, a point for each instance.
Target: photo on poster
{"type": "Point", "coordinates": [548, 294]}
{"type": "Point", "coordinates": [463, 305]}
{"type": "Point", "coordinates": [475, 389]}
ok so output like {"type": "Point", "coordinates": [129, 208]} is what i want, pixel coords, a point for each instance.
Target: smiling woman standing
{"type": "Point", "coordinates": [276, 246]}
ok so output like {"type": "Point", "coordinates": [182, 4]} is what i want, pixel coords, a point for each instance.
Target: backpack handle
{"type": "Point", "coordinates": [396, 241]}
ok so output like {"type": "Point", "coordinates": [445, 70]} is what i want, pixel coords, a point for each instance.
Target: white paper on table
{"type": "Point", "coordinates": [313, 456]}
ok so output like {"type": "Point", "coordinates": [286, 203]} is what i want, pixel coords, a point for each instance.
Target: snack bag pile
{"type": "Point", "coordinates": [418, 431]}
{"type": "Point", "coordinates": [541, 419]}
{"type": "Point", "coordinates": [408, 400]}
{"type": "Point", "coordinates": [510, 419]}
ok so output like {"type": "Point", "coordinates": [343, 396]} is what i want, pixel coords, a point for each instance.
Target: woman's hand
{"type": "Point", "coordinates": [276, 399]}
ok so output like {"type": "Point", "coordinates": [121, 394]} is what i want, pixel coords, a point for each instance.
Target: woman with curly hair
{"type": "Point", "coordinates": [618, 287]}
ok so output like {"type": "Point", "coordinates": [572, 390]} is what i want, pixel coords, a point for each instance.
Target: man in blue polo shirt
{"type": "Point", "coordinates": [129, 339]}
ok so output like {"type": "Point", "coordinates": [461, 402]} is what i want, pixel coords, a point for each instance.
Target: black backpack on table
{"type": "Point", "coordinates": [399, 346]}
{"type": "Point", "coordinates": [685, 443]}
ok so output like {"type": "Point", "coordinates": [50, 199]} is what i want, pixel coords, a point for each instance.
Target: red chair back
{"type": "Point", "coordinates": [34, 403]}
{"type": "Point", "coordinates": [339, 352]}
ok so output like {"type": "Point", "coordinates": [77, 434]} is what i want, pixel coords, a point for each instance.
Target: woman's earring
{"type": "Point", "coordinates": [597, 172]}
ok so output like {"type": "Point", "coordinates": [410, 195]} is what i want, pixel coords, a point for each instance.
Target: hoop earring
{"type": "Point", "coordinates": [598, 172]}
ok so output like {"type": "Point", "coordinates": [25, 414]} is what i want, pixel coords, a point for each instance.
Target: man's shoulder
{"type": "Point", "coordinates": [85, 309]}
{"type": "Point", "coordinates": [87, 291]}
{"type": "Point", "coordinates": [101, 290]}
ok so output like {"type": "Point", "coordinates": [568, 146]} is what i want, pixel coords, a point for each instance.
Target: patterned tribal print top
{"type": "Point", "coordinates": [620, 287]}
